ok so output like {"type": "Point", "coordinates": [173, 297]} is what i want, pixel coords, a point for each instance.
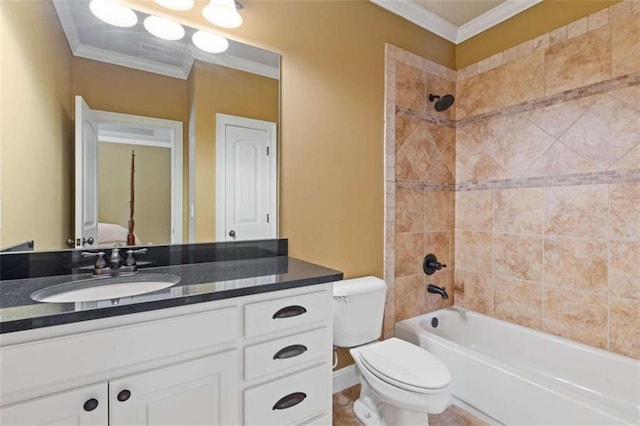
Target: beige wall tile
{"type": "Point", "coordinates": [625, 39]}
{"type": "Point", "coordinates": [520, 144]}
{"type": "Point", "coordinates": [474, 291]}
{"type": "Point", "coordinates": [575, 315]}
{"type": "Point", "coordinates": [440, 244]}
{"type": "Point", "coordinates": [404, 128]}
{"type": "Point", "coordinates": [577, 28]}
{"type": "Point", "coordinates": [628, 95]}
{"type": "Point", "coordinates": [529, 68]}
{"type": "Point", "coordinates": [605, 132]}
{"type": "Point", "coordinates": [404, 168]}
{"type": "Point", "coordinates": [474, 210]}
{"type": "Point", "coordinates": [421, 150]}
{"type": "Point", "coordinates": [598, 19]}
{"type": "Point", "coordinates": [409, 297]}
{"type": "Point", "coordinates": [409, 254]}
{"type": "Point", "coordinates": [445, 139]}
{"type": "Point", "coordinates": [519, 211]}
{"type": "Point", "coordinates": [620, 11]}
{"type": "Point", "coordinates": [518, 301]}
{"type": "Point", "coordinates": [410, 87]}
{"type": "Point", "coordinates": [581, 211]}
{"type": "Point", "coordinates": [476, 94]}
{"type": "Point", "coordinates": [625, 210]}
{"type": "Point", "coordinates": [579, 61]}
{"type": "Point", "coordinates": [624, 327]}
{"type": "Point", "coordinates": [576, 263]}
{"type": "Point", "coordinates": [560, 160]}
{"type": "Point", "coordinates": [474, 251]}
{"type": "Point", "coordinates": [629, 161]}
{"type": "Point", "coordinates": [438, 210]}
{"type": "Point", "coordinates": [624, 269]}
{"type": "Point", "coordinates": [409, 210]}
{"type": "Point", "coordinates": [439, 173]}
{"type": "Point", "coordinates": [556, 119]}
{"type": "Point", "coordinates": [518, 256]}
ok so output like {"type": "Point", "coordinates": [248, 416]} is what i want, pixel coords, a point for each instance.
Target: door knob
{"type": "Point", "coordinates": [70, 243]}
{"type": "Point", "coordinates": [232, 233]}
{"type": "Point", "coordinates": [86, 241]}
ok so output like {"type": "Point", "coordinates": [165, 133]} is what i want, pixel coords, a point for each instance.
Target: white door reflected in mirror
{"type": "Point", "coordinates": [246, 155]}
{"type": "Point", "coordinates": [104, 143]}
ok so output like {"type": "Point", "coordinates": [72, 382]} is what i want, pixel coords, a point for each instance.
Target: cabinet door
{"type": "Point", "coordinates": [82, 407]}
{"type": "Point", "coordinates": [199, 392]}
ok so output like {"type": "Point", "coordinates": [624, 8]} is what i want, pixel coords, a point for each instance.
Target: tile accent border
{"type": "Point", "coordinates": [425, 117]}
{"type": "Point", "coordinates": [597, 178]}
{"type": "Point", "coordinates": [601, 87]}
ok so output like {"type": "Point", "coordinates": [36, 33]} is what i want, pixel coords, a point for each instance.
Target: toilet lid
{"type": "Point", "coordinates": [406, 363]}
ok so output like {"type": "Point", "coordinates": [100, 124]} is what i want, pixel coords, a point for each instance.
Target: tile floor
{"type": "Point", "coordinates": [343, 412]}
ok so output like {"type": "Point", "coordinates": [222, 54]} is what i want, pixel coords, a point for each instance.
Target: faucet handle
{"type": "Point", "coordinates": [100, 261]}
{"type": "Point", "coordinates": [130, 260]}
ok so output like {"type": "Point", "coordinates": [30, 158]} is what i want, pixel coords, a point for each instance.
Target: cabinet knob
{"type": "Point", "coordinates": [123, 395]}
{"type": "Point", "coordinates": [90, 404]}
{"type": "Point", "coordinates": [289, 401]}
{"type": "Point", "coordinates": [290, 311]}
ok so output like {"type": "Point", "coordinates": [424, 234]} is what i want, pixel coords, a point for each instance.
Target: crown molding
{"type": "Point", "coordinates": [493, 17]}
{"type": "Point", "coordinates": [428, 20]}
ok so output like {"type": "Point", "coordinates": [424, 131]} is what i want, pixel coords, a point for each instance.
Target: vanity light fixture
{"type": "Point", "coordinates": [176, 4]}
{"type": "Point", "coordinates": [222, 13]}
{"type": "Point", "coordinates": [113, 13]}
{"type": "Point", "coordinates": [210, 42]}
{"type": "Point", "coordinates": [163, 28]}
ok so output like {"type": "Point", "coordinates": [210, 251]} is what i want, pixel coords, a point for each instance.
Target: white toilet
{"type": "Point", "coordinates": [400, 382]}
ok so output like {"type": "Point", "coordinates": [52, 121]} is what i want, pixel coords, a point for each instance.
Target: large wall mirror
{"type": "Point", "coordinates": [109, 133]}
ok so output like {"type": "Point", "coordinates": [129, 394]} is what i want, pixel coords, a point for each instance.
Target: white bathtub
{"type": "Point", "coordinates": [518, 376]}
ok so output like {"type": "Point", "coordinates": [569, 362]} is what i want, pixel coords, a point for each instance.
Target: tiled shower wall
{"type": "Point", "coordinates": [547, 186]}
{"type": "Point", "coordinates": [420, 183]}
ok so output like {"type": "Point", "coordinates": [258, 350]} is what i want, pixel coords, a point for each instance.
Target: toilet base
{"type": "Point", "coordinates": [371, 411]}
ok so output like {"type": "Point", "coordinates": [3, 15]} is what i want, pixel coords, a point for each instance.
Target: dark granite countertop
{"type": "Point", "coordinates": [199, 283]}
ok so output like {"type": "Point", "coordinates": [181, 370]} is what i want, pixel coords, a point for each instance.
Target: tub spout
{"type": "Point", "coordinates": [442, 291]}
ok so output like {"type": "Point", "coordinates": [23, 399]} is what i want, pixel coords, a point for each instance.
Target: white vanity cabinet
{"type": "Point", "coordinates": [255, 360]}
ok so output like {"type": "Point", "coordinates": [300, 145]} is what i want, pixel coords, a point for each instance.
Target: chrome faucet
{"type": "Point", "coordinates": [116, 265]}
{"type": "Point", "coordinates": [442, 291]}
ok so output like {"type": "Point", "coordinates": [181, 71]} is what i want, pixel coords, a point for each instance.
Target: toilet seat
{"type": "Point", "coordinates": [404, 365]}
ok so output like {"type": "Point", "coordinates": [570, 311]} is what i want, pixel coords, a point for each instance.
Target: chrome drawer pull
{"type": "Point", "coordinates": [290, 311]}
{"type": "Point", "coordinates": [289, 401]}
{"type": "Point", "coordinates": [290, 351]}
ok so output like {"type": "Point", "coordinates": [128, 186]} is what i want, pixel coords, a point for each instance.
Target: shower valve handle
{"type": "Point", "coordinates": [430, 264]}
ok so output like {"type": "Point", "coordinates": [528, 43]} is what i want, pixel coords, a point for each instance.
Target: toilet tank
{"type": "Point", "coordinates": [358, 309]}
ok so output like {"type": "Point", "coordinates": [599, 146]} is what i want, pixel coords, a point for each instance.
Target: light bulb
{"type": "Point", "coordinates": [209, 42]}
{"type": "Point", "coordinates": [113, 13]}
{"type": "Point", "coordinates": [222, 13]}
{"type": "Point", "coordinates": [176, 4]}
{"type": "Point", "coordinates": [163, 28]}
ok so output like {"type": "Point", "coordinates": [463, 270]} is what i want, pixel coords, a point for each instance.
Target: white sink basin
{"type": "Point", "coordinates": [104, 288]}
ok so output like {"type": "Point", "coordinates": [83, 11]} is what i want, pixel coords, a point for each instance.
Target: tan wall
{"type": "Point", "coordinates": [331, 154]}
{"type": "Point", "coordinates": [227, 91]}
{"type": "Point", "coordinates": [152, 189]}
{"type": "Point", "coordinates": [36, 126]}
{"type": "Point", "coordinates": [114, 88]}
{"type": "Point", "coordinates": [548, 212]}
{"type": "Point", "coordinates": [539, 19]}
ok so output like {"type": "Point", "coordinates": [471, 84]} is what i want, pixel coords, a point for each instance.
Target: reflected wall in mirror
{"type": "Point", "coordinates": [54, 50]}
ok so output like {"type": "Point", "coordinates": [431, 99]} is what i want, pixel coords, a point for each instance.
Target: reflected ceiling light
{"type": "Point", "coordinates": [113, 13]}
{"type": "Point", "coordinates": [176, 4]}
{"type": "Point", "coordinates": [209, 42]}
{"type": "Point", "coordinates": [163, 28]}
{"type": "Point", "coordinates": [222, 13]}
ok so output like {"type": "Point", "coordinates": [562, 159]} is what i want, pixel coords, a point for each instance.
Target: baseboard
{"type": "Point", "coordinates": [344, 378]}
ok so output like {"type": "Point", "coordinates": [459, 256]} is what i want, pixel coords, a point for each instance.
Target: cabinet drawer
{"type": "Point", "coordinates": [289, 400]}
{"type": "Point", "coordinates": [280, 354]}
{"type": "Point", "coordinates": [281, 314]}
